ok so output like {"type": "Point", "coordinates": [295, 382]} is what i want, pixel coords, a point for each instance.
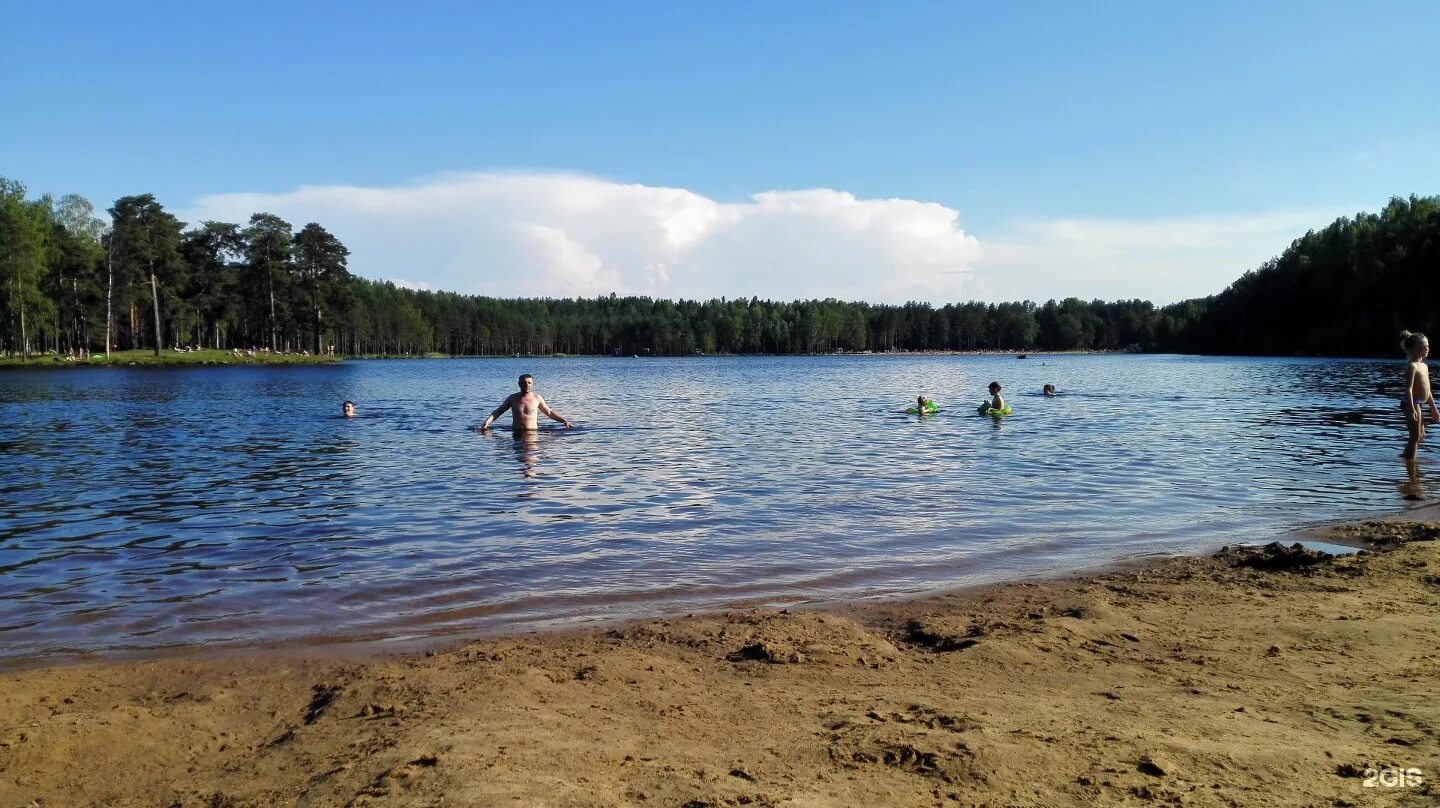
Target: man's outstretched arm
{"type": "Point", "coordinates": [554, 416]}
{"type": "Point", "coordinates": [499, 411]}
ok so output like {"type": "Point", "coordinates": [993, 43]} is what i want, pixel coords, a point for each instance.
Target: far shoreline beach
{"type": "Point", "coordinates": [216, 357]}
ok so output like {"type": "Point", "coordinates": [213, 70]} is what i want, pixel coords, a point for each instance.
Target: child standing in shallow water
{"type": "Point", "coordinates": [1417, 390]}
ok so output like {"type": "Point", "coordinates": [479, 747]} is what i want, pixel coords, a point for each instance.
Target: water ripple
{"type": "Point", "coordinates": [162, 507]}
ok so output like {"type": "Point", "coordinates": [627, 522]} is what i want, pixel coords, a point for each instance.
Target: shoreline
{"type": "Point", "coordinates": [414, 641]}
{"type": "Point", "coordinates": [145, 357]}
{"type": "Point", "coordinates": [226, 358]}
{"type": "Point", "coordinates": [1029, 354]}
{"type": "Point", "coordinates": [213, 357]}
{"type": "Point", "coordinates": [1328, 535]}
{"type": "Point", "coordinates": [1108, 686]}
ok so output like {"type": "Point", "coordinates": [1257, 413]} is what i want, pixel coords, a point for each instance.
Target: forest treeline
{"type": "Point", "coordinates": [1346, 290]}
{"type": "Point", "coordinates": [73, 281]}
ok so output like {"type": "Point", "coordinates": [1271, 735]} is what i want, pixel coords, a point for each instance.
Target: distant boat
{"type": "Point", "coordinates": [1023, 356]}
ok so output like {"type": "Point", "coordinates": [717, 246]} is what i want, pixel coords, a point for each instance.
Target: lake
{"type": "Point", "coordinates": [154, 508]}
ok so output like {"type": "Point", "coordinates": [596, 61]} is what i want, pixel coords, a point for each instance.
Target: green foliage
{"type": "Point", "coordinates": [213, 252]}
{"type": "Point", "coordinates": [266, 279]}
{"type": "Point", "coordinates": [612, 325]}
{"type": "Point", "coordinates": [320, 265]}
{"type": "Point", "coordinates": [1347, 290]}
{"type": "Point", "coordinates": [144, 251]}
{"type": "Point", "coordinates": [225, 287]}
{"type": "Point", "coordinates": [25, 256]}
{"type": "Point", "coordinates": [74, 285]}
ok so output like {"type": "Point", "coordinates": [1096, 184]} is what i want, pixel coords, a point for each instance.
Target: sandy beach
{"type": "Point", "coordinates": [1241, 679]}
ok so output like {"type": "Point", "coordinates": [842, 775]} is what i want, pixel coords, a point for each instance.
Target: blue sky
{"type": "Point", "coordinates": [1108, 149]}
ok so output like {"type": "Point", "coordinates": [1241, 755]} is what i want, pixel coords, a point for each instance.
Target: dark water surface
{"type": "Point", "coordinates": [145, 508]}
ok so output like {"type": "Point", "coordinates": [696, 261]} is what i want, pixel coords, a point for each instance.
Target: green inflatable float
{"type": "Point", "coordinates": [930, 407]}
{"type": "Point", "coordinates": [986, 409]}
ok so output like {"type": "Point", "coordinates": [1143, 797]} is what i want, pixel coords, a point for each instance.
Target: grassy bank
{"type": "Point", "coordinates": [168, 357]}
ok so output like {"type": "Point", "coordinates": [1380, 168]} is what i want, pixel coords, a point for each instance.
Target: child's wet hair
{"type": "Point", "coordinates": [1411, 341]}
{"type": "Point", "coordinates": [995, 386]}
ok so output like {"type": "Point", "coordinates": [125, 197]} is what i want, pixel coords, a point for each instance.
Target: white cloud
{"type": "Point", "coordinates": [419, 286]}
{"type": "Point", "coordinates": [563, 262]}
{"type": "Point", "coordinates": [1162, 260]}
{"type": "Point", "coordinates": [563, 235]}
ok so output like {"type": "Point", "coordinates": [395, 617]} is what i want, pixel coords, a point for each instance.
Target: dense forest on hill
{"type": "Point", "coordinates": [1346, 290]}
{"type": "Point", "coordinates": [72, 282]}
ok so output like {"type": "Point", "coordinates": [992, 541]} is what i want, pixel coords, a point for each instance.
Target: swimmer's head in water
{"type": "Point", "coordinates": [1048, 390]}
{"type": "Point", "coordinates": [348, 409]}
{"type": "Point", "coordinates": [526, 382]}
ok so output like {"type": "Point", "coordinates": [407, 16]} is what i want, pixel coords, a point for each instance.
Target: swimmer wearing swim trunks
{"type": "Point", "coordinates": [525, 407]}
{"type": "Point", "coordinates": [1417, 391]}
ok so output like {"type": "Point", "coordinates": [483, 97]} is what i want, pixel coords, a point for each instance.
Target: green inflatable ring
{"type": "Point", "coordinates": [986, 409]}
{"type": "Point", "coordinates": [930, 407]}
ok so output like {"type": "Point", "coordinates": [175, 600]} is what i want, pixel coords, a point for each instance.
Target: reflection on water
{"type": "Point", "coordinates": [527, 449]}
{"type": "Point", "coordinates": [155, 507]}
{"type": "Point", "coordinates": [1413, 487]}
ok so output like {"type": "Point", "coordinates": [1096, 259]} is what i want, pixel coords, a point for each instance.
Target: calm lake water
{"type": "Point", "coordinates": [147, 508]}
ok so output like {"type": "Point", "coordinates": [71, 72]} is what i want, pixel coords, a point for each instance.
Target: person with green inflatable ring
{"type": "Point", "coordinates": [996, 406]}
{"type": "Point", "coordinates": [923, 406]}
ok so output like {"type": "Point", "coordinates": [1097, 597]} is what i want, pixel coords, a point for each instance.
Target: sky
{"type": "Point", "coordinates": [886, 152]}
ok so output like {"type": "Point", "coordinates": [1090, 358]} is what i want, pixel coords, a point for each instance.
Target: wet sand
{"type": "Point", "coordinates": [1243, 679]}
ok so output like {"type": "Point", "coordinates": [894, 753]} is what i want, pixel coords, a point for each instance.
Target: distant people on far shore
{"type": "Point", "coordinates": [1417, 390]}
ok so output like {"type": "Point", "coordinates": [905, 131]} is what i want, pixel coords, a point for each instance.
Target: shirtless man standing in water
{"type": "Point", "coordinates": [526, 406]}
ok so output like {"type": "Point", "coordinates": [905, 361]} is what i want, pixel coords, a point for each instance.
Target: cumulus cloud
{"type": "Point", "coordinates": [1162, 259]}
{"type": "Point", "coordinates": [561, 235]}
{"type": "Point", "coordinates": [565, 235]}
